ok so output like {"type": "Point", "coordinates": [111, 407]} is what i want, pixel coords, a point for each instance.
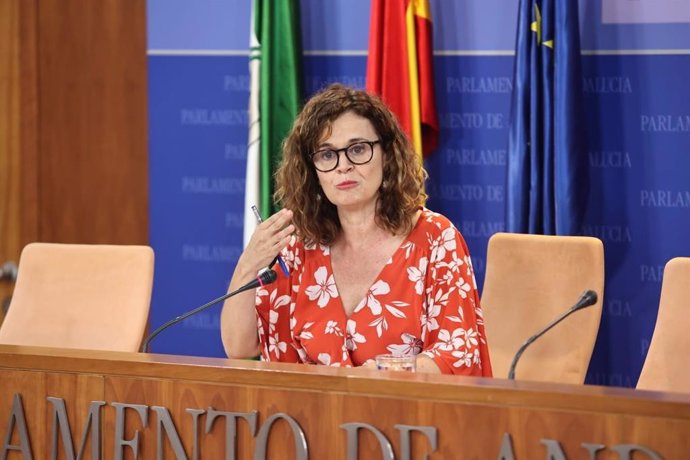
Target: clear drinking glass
{"type": "Point", "coordinates": [396, 363]}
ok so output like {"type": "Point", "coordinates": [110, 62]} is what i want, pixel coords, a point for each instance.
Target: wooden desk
{"type": "Point", "coordinates": [468, 417]}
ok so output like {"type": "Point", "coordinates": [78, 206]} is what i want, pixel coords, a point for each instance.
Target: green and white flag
{"type": "Point", "coordinates": [275, 69]}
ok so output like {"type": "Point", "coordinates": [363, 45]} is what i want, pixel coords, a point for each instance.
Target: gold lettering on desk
{"type": "Point", "coordinates": [17, 429]}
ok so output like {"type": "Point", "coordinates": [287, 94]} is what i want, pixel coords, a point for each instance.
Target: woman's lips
{"type": "Point", "coordinates": [344, 185]}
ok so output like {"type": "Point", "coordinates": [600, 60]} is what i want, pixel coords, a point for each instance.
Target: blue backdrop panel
{"type": "Point", "coordinates": [198, 136]}
{"type": "Point", "coordinates": [198, 25]}
{"type": "Point", "coordinates": [321, 71]}
{"type": "Point", "coordinates": [639, 129]}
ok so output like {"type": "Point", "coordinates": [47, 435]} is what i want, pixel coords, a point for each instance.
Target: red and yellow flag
{"type": "Point", "coordinates": [400, 67]}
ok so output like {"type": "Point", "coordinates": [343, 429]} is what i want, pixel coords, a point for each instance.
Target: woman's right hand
{"type": "Point", "coordinates": [238, 320]}
{"type": "Point", "coordinates": [269, 238]}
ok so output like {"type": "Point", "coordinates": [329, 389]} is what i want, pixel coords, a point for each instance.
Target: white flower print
{"type": "Point", "coordinates": [457, 319]}
{"type": "Point", "coordinates": [395, 308]}
{"type": "Point", "coordinates": [429, 315]}
{"type": "Point", "coordinates": [262, 333]}
{"type": "Point", "coordinates": [332, 328]}
{"type": "Point", "coordinates": [280, 301]}
{"type": "Point", "coordinates": [353, 337]}
{"type": "Point", "coordinates": [477, 359]}
{"type": "Point", "coordinates": [450, 341]}
{"type": "Point", "coordinates": [470, 270]}
{"type": "Point", "coordinates": [296, 286]}
{"type": "Point", "coordinates": [410, 346]}
{"type": "Point", "coordinates": [260, 292]}
{"type": "Point", "coordinates": [408, 247]}
{"type": "Point", "coordinates": [465, 358]}
{"type": "Point", "coordinates": [441, 297]}
{"type": "Point", "coordinates": [453, 264]}
{"type": "Point", "coordinates": [478, 313]}
{"type": "Point", "coordinates": [463, 287]}
{"type": "Point", "coordinates": [431, 217]}
{"type": "Point", "coordinates": [344, 356]}
{"type": "Point", "coordinates": [276, 346]}
{"type": "Point", "coordinates": [447, 278]}
{"type": "Point", "coordinates": [380, 324]}
{"type": "Point", "coordinates": [272, 320]}
{"type": "Point", "coordinates": [324, 290]}
{"type": "Point", "coordinates": [291, 254]}
{"type": "Point", "coordinates": [439, 246]}
{"type": "Point", "coordinates": [378, 288]}
{"type": "Point", "coordinates": [305, 333]}
{"type": "Point", "coordinates": [471, 338]}
{"type": "Point", "coordinates": [417, 274]}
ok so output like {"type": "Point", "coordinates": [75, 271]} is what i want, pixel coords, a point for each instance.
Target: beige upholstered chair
{"type": "Point", "coordinates": [530, 280]}
{"type": "Point", "coordinates": [80, 296]}
{"type": "Point", "coordinates": [666, 367]}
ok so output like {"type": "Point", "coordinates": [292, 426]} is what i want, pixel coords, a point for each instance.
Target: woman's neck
{"type": "Point", "coordinates": [359, 228]}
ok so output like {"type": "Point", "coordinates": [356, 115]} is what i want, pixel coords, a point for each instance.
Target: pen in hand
{"type": "Point", "coordinates": [281, 262]}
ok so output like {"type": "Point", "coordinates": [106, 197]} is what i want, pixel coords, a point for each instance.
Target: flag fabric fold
{"type": "Point", "coordinates": [275, 69]}
{"type": "Point", "coordinates": [400, 67]}
{"type": "Point", "coordinates": [547, 159]}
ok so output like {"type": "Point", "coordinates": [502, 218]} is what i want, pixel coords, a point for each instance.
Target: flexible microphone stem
{"type": "Point", "coordinates": [266, 277]}
{"type": "Point", "coordinates": [586, 299]}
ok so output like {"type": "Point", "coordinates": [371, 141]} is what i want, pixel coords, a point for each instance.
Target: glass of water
{"type": "Point", "coordinates": [396, 363]}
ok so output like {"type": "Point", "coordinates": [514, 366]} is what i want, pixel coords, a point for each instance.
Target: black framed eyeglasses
{"type": "Point", "coordinates": [358, 153]}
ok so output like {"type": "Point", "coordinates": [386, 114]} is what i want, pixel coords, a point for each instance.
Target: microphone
{"type": "Point", "coordinates": [8, 271]}
{"type": "Point", "coordinates": [587, 299]}
{"type": "Point", "coordinates": [266, 277]}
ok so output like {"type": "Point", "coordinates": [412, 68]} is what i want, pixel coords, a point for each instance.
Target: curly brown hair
{"type": "Point", "coordinates": [297, 185]}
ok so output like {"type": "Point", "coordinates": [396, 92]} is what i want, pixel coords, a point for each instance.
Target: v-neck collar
{"type": "Point", "coordinates": [362, 303]}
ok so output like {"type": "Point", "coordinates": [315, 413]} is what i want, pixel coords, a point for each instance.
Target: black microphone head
{"type": "Point", "coordinates": [270, 275]}
{"type": "Point", "coordinates": [588, 298]}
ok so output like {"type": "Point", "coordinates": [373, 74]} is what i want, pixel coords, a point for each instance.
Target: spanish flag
{"type": "Point", "coordinates": [400, 67]}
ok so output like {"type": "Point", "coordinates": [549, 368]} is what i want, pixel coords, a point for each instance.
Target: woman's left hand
{"type": "Point", "coordinates": [369, 364]}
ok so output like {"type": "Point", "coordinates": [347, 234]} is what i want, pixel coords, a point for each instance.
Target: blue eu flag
{"type": "Point", "coordinates": [547, 159]}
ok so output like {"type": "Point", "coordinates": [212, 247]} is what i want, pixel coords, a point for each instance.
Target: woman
{"type": "Point", "coordinates": [371, 271]}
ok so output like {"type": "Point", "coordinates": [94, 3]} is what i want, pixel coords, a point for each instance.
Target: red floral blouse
{"type": "Point", "coordinates": [424, 300]}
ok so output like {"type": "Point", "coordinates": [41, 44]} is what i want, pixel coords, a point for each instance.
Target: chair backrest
{"type": "Point", "coordinates": [80, 296]}
{"type": "Point", "coordinates": [666, 367]}
{"type": "Point", "coordinates": [530, 280]}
